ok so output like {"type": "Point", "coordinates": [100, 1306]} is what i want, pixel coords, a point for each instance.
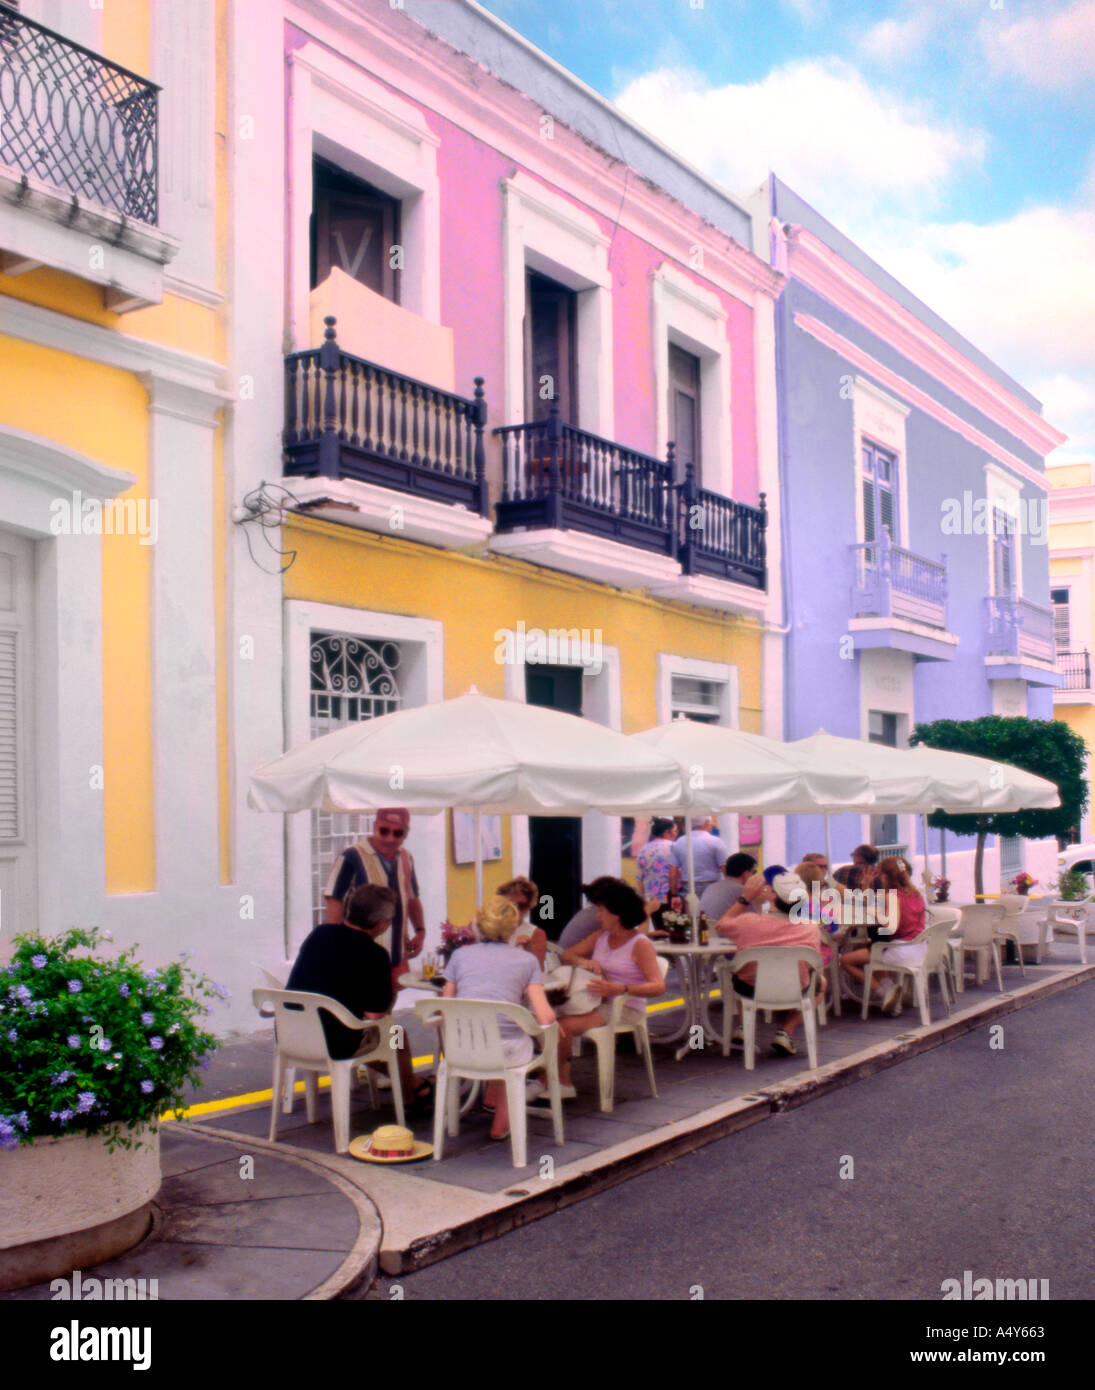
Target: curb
{"type": "Point", "coordinates": [615, 1165]}
{"type": "Point", "coordinates": [358, 1270]}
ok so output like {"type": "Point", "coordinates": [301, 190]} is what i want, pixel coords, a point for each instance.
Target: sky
{"type": "Point", "coordinates": [953, 140]}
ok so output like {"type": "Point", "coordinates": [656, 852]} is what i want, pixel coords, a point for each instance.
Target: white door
{"type": "Point", "coordinates": [18, 860]}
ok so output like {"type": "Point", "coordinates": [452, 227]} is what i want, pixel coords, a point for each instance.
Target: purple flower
{"type": "Point", "coordinates": [105, 1044]}
{"type": "Point", "coordinates": [22, 994]}
{"type": "Point", "coordinates": [75, 986]}
{"type": "Point", "coordinates": [62, 1077]}
{"type": "Point", "coordinates": [155, 1043]}
{"type": "Point", "coordinates": [13, 1036]}
{"type": "Point", "coordinates": [38, 961]}
{"type": "Point", "coordinates": [22, 1121]}
{"type": "Point", "coordinates": [173, 1029]}
{"type": "Point", "coordinates": [85, 1100]}
{"type": "Point", "coordinates": [73, 1040]}
{"type": "Point", "coordinates": [123, 990]}
{"type": "Point", "coordinates": [63, 1116]}
{"type": "Point", "coordinates": [222, 990]}
{"type": "Point", "coordinates": [148, 1087]}
{"type": "Point", "coordinates": [148, 1020]}
{"type": "Point", "coordinates": [7, 1135]}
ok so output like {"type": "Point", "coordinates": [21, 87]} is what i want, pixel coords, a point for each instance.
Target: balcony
{"type": "Point", "coordinates": [1076, 669]}
{"type": "Point", "coordinates": [78, 157]}
{"type": "Point", "coordinates": [574, 501]}
{"type": "Point", "coordinates": [899, 601]}
{"type": "Point", "coordinates": [1020, 642]}
{"type": "Point", "coordinates": [372, 439]}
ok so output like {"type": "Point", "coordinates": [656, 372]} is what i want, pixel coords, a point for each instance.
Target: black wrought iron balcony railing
{"type": "Point", "coordinates": [75, 120]}
{"type": "Point", "coordinates": [1019, 627]}
{"type": "Point", "coordinates": [1076, 667]}
{"type": "Point", "coordinates": [893, 582]}
{"type": "Point", "coordinates": [558, 477]}
{"type": "Point", "coordinates": [349, 418]}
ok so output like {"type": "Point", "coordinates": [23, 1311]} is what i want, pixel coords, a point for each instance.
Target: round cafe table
{"type": "Point", "coordinates": [694, 962]}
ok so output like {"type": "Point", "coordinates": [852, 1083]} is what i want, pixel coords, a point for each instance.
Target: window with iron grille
{"type": "Point", "coordinates": [880, 484]}
{"type": "Point", "coordinates": [352, 678]}
{"type": "Point", "coordinates": [1011, 857]}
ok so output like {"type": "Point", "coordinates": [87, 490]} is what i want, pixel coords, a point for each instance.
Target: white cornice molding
{"type": "Point", "coordinates": [574, 220]}
{"type": "Point", "coordinates": [427, 78]}
{"type": "Point", "coordinates": [46, 327]}
{"type": "Point", "coordinates": [669, 280]}
{"type": "Point", "coordinates": [342, 79]}
{"type": "Point", "coordinates": [51, 467]}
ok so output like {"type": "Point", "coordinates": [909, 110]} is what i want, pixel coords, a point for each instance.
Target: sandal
{"type": "Point", "coordinates": [422, 1097]}
{"type": "Point", "coordinates": [499, 1138]}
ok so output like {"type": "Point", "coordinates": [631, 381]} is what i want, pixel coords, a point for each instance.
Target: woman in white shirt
{"type": "Point", "coordinates": [524, 895]}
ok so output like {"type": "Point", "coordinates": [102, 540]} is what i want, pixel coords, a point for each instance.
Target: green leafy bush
{"type": "Point", "coordinates": [94, 1045]}
{"type": "Point", "coordinates": [1072, 888]}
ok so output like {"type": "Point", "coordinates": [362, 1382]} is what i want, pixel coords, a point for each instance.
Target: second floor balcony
{"type": "Point", "coordinates": [79, 155]}
{"type": "Point", "coordinates": [566, 489]}
{"type": "Point", "coordinates": [1020, 641]}
{"type": "Point", "coordinates": [899, 600]}
{"type": "Point", "coordinates": [1076, 669]}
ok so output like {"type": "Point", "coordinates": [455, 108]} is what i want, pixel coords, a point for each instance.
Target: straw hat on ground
{"type": "Point", "coordinates": [389, 1144]}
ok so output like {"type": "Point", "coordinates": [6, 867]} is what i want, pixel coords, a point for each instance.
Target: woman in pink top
{"type": "Point", "coordinates": [903, 947]}
{"type": "Point", "coordinates": [623, 960]}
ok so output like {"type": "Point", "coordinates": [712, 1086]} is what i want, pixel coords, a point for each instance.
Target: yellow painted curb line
{"type": "Point", "coordinates": [213, 1107]}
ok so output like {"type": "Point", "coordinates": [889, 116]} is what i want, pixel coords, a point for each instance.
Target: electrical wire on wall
{"type": "Point", "coordinates": [264, 506]}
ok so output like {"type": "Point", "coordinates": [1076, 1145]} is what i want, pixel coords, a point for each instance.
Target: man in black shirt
{"type": "Point", "coordinates": [343, 961]}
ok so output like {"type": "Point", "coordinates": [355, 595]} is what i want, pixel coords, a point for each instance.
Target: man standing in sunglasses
{"type": "Point", "coordinates": [383, 860]}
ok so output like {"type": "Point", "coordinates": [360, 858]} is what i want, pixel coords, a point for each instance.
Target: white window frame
{"type": "Point", "coordinates": [544, 232]}
{"type": "Point", "coordinates": [603, 704]}
{"type": "Point", "coordinates": [879, 418]}
{"type": "Point", "coordinates": [357, 124]}
{"type": "Point", "coordinates": [692, 317]}
{"type": "Point", "coordinates": [1003, 492]}
{"type": "Point", "coordinates": [425, 685]}
{"type": "Point", "coordinates": [720, 673]}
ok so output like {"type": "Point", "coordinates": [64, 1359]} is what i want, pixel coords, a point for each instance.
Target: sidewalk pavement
{"type": "Point", "coordinates": [240, 1218]}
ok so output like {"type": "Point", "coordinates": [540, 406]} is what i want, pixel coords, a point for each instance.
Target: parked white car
{"type": "Point", "coordinates": [1078, 859]}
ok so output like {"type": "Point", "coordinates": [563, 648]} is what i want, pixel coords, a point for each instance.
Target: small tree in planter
{"type": "Point", "coordinates": [92, 1045]}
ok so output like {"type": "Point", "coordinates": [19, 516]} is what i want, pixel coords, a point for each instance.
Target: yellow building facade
{"type": "Point", "coordinates": [114, 767]}
{"type": "Point", "coordinates": [1072, 590]}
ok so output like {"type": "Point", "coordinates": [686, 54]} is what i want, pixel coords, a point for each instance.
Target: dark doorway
{"type": "Point", "coordinates": [555, 842]}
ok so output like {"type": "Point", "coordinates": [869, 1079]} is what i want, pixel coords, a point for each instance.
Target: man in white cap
{"type": "Point", "coordinates": [746, 925]}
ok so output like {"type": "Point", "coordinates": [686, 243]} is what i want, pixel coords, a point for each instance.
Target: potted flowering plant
{"type": "Point", "coordinates": [1022, 883]}
{"type": "Point", "coordinates": [941, 888]}
{"type": "Point", "coordinates": [1072, 888]}
{"type": "Point", "coordinates": [95, 1051]}
{"type": "Point", "coordinates": [452, 938]}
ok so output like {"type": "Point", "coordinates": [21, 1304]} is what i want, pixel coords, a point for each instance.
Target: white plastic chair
{"type": "Point", "coordinates": [301, 1045]}
{"type": "Point", "coordinates": [472, 1043]}
{"type": "Point", "coordinates": [944, 912]}
{"type": "Point", "coordinates": [1072, 919]}
{"type": "Point", "coordinates": [622, 1019]}
{"type": "Point", "coordinates": [778, 987]}
{"type": "Point", "coordinates": [978, 932]}
{"type": "Point", "coordinates": [936, 938]}
{"type": "Point", "coordinates": [1014, 905]}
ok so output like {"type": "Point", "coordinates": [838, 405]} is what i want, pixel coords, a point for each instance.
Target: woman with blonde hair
{"type": "Point", "coordinates": [494, 969]}
{"type": "Point", "coordinates": [524, 895]}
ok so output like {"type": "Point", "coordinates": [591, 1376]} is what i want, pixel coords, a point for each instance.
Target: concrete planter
{"type": "Point", "coordinates": [68, 1203]}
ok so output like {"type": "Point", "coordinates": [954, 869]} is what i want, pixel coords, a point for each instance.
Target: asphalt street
{"type": "Point", "coordinates": [973, 1157]}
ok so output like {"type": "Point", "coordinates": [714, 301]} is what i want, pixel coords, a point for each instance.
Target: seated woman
{"type": "Point", "coordinates": [814, 877]}
{"type": "Point", "coordinates": [901, 949]}
{"type": "Point", "coordinates": [494, 969]}
{"type": "Point", "coordinates": [524, 895]}
{"type": "Point", "coordinates": [623, 960]}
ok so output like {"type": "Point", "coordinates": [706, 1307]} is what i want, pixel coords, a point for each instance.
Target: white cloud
{"type": "Point", "coordinates": [893, 40]}
{"type": "Point", "coordinates": [1021, 290]}
{"type": "Point", "coordinates": [838, 140]}
{"type": "Point", "coordinates": [1055, 51]}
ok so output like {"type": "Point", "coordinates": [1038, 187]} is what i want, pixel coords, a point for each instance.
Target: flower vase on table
{"type": "Point", "coordinates": [452, 938]}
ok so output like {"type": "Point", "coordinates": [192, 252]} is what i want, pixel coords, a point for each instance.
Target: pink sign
{"type": "Point", "coordinates": [750, 831]}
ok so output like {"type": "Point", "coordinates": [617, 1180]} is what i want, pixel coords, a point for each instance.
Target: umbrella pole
{"type": "Point", "coordinates": [828, 850]}
{"type": "Point", "coordinates": [942, 853]}
{"type": "Point", "coordinates": [478, 858]}
{"type": "Point", "coordinates": [927, 861]}
{"type": "Point", "coordinates": [693, 904]}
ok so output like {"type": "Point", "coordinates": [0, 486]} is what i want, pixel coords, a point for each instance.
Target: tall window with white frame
{"type": "Point", "coordinates": [880, 492]}
{"type": "Point", "coordinates": [684, 410]}
{"type": "Point", "coordinates": [1004, 574]}
{"type": "Point", "coordinates": [551, 343]}
{"type": "Point", "coordinates": [352, 678]}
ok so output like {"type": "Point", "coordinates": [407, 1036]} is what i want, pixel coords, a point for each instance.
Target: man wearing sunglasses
{"type": "Point", "coordinates": [383, 860]}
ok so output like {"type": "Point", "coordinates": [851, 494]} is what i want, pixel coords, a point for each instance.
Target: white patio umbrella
{"type": "Point", "coordinates": [728, 769]}
{"type": "Point", "coordinates": [475, 753]}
